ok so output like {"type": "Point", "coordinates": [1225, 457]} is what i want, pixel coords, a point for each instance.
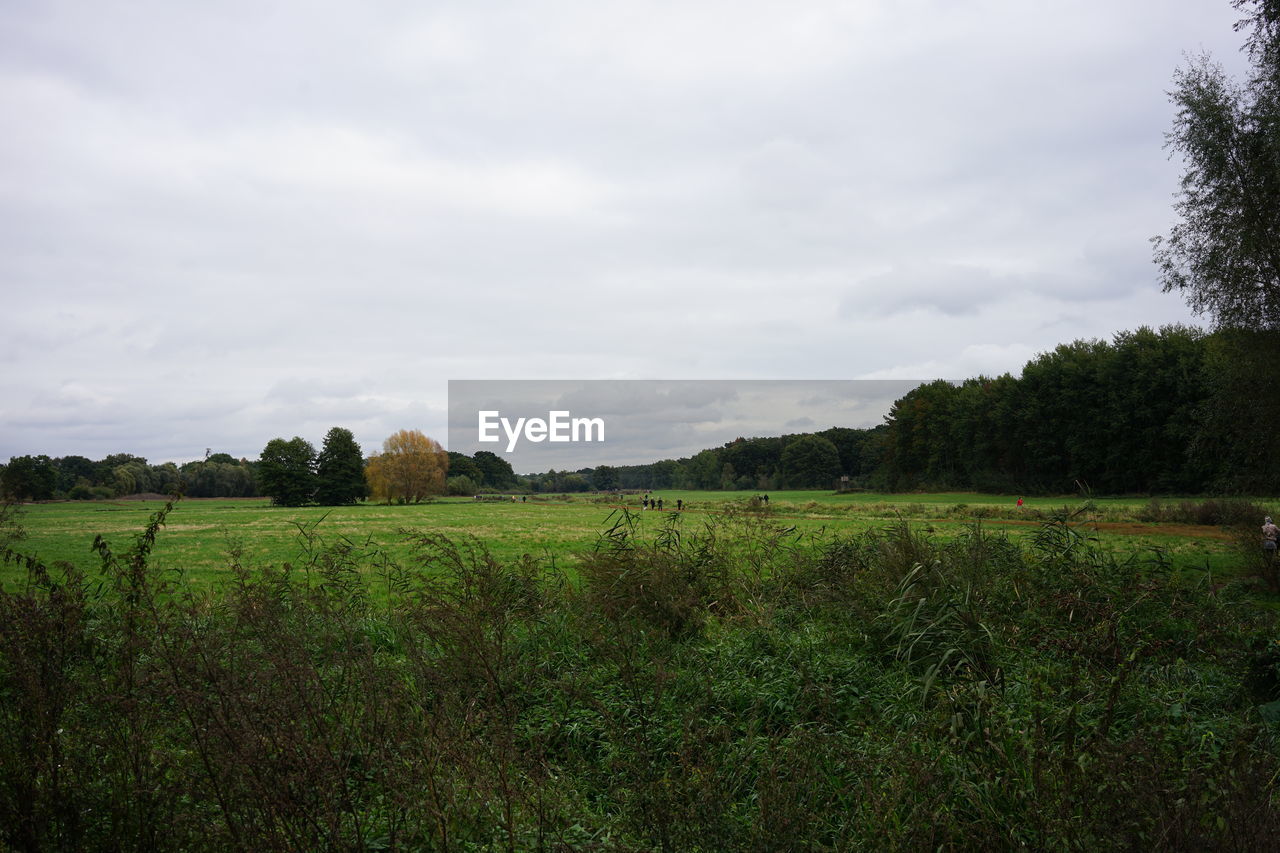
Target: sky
{"type": "Point", "coordinates": [225, 223]}
{"type": "Point", "coordinates": [582, 423]}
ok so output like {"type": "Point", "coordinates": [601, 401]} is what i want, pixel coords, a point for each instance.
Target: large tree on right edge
{"type": "Point", "coordinates": [1224, 254]}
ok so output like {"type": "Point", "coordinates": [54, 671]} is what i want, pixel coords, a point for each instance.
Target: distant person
{"type": "Point", "coordinates": [524, 498]}
{"type": "Point", "coordinates": [1019, 501]}
{"type": "Point", "coordinates": [659, 503]}
{"type": "Point", "coordinates": [1270, 533]}
{"type": "Point", "coordinates": [679, 504]}
{"type": "Point", "coordinates": [766, 499]}
{"type": "Point", "coordinates": [644, 502]}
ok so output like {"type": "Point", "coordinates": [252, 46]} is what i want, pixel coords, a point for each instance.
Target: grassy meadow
{"type": "Point", "coordinates": [827, 672]}
{"type": "Point", "coordinates": [200, 533]}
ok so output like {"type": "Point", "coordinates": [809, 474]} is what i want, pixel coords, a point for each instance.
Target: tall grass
{"type": "Point", "coordinates": [724, 685]}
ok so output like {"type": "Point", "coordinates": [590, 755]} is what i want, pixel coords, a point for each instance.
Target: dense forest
{"type": "Point", "coordinates": [1171, 411]}
{"type": "Point", "coordinates": [1176, 410]}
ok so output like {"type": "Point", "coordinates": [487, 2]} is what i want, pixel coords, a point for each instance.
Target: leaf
{"type": "Point", "coordinates": [1270, 712]}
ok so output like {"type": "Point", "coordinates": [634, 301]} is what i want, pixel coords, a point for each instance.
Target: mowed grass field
{"type": "Point", "coordinates": [200, 534]}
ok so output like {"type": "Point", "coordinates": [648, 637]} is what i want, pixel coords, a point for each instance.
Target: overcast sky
{"type": "Point", "coordinates": [225, 222]}
{"type": "Point", "coordinates": [645, 420]}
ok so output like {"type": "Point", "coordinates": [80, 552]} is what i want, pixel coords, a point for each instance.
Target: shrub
{"type": "Point", "coordinates": [460, 485]}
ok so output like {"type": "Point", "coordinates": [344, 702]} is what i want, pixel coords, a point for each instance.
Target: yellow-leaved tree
{"type": "Point", "coordinates": [410, 467]}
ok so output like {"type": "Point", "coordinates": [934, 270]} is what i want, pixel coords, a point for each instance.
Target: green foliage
{"type": "Point", "coordinates": [1118, 417]}
{"type": "Point", "coordinates": [460, 485]}
{"type": "Point", "coordinates": [810, 461]}
{"type": "Point", "coordinates": [560, 482]}
{"type": "Point", "coordinates": [1168, 411]}
{"type": "Point", "coordinates": [1236, 444]}
{"type": "Point", "coordinates": [286, 471]}
{"type": "Point", "coordinates": [1224, 254]}
{"type": "Point", "coordinates": [729, 686]}
{"type": "Point", "coordinates": [28, 478]}
{"type": "Point", "coordinates": [218, 478]}
{"type": "Point", "coordinates": [73, 469]}
{"type": "Point", "coordinates": [340, 470]}
{"type": "Point", "coordinates": [462, 465]}
{"type": "Point", "coordinates": [604, 478]}
{"type": "Point", "coordinates": [702, 471]}
{"type": "Point", "coordinates": [122, 474]}
{"type": "Point", "coordinates": [496, 472]}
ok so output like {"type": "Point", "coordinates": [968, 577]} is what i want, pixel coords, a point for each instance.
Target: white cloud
{"type": "Point", "coordinates": [219, 224]}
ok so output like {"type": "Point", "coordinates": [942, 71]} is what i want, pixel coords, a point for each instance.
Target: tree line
{"type": "Point", "coordinates": [1171, 411]}
{"type": "Point", "coordinates": [41, 477]}
{"type": "Point", "coordinates": [291, 472]}
{"type": "Point", "coordinates": [1174, 410]}
{"type": "Point", "coordinates": [409, 468]}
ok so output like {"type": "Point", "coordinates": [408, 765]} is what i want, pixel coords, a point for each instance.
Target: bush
{"type": "Point", "coordinates": [1216, 512]}
{"type": "Point", "coordinates": [460, 485]}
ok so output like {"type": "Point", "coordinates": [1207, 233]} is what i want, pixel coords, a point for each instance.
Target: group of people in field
{"type": "Point", "coordinates": [650, 502]}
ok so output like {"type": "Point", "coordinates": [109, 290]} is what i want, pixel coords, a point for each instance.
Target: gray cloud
{"type": "Point", "coordinates": [222, 224]}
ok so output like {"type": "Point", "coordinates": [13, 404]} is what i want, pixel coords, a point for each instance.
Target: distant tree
{"type": "Point", "coordinates": [604, 478]}
{"type": "Point", "coordinates": [209, 479]}
{"type": "Point", "coordinates": [286, 472]}
{"type": "Point", "coordinates": [1224, 254]}
{"type": "Point", "coordinates": [543, 482]}
{"type": "Point", "coordinates": [340, 470]}
{"type": "Point", "coordinates": [663, 474]}
{"type": "Point", "coordinates": [124, 480]}
{"type": "Point", "coordinates": [753, 459]}
{"type": "Point", "coordinates": [1235, 441]}
{"type": "Point", "coordinates": [460, 485]}
{"type": "Point", "coordinates": [703, 469]}
{"type": "Point", "coordinates": [872, 459]}
{"type": "Point", "coordinates": [572, 482]}
{"type": "Point", "coordinates": [410, 467]}
{"type": "Point", "coordinates": [81, 490]}
{"type": "Point", "coordinates": [105, 469]}
{"type": "Point", "coordinates": [165, 478]}
{"type": "Point", "coordinates": [810, 461]}
{"type": "Point", "coordinates": [918, 448]}
{"type": "Point", "coordinates": [29, 478]}
{"type": "Point", "coordinates": [71, 469]}
{"type": "Point", "coordinates": [462, 465]}
{"type": "Point", "coordinates": [1156, 384]}
{"type": "Point", "coordinates": [497, 472]}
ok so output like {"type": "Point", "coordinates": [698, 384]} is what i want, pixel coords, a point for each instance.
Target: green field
{"type": "Point", "coordinates": [201, 533]}
{"type": "Point", "coordinates": [827, 672]}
